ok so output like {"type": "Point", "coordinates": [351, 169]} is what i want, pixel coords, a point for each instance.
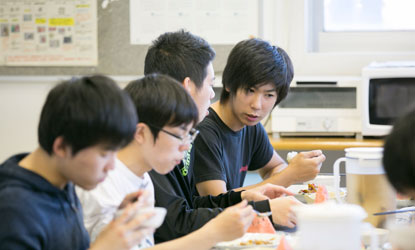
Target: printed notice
{"type": "Point", "coordinates": [48, 33]}
{"type": "Point", "coordinates": [217, 21]}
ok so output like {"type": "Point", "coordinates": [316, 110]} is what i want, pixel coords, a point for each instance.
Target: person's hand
{"type": "Point", "coordinates": [124, 231]}
{"type": "Point", "coordinates": [264, 192]}
{"type": "Point", "coordinates": [143, 196]}
{"type": "Point", "coordinates": [306, 165]}
{"type": "Point", "coordinates": [232, 223]}
{"type": "Point", "coordinates": [282, 213]}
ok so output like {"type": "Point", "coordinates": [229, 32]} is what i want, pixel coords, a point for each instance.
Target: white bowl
{"type": "Point", "coordinates": [326, 180]}
{"type": "Point", "coordinates": [154, 221]}
{"type": "Point", "coordinates": [381, 234]}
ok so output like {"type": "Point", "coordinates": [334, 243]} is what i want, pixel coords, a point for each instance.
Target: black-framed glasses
{"type": "Point", "coordinates": [189, 138]}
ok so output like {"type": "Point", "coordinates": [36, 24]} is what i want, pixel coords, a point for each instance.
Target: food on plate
{"type": "Point", "coordinates": [308, 193]}
{"type": "Point", "coordinates": [322, 194]}
{"type": "Point", "coordinates": [261, 225]}
{"type": "Point", "coordinates": [283, 245]}
{"type": "Point", "coordinates": [312, 188]}
{"type": "Point", "coordinates": [251, 240]}
{"type": "Point", "coordinates": [254, 241]}
{"type": "Point", "coordinates": [257, 242]}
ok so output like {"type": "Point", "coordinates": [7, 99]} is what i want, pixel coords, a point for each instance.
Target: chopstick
{"type": "Point", "coordinates": [263, 214]}
{"type": "Point", "coordinates": [396, 211]}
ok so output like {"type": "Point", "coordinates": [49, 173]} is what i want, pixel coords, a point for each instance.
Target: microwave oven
{"type": "Point", "coordinates": [323, 106]}
{"type": "Point", "coordinates": [388, 91]}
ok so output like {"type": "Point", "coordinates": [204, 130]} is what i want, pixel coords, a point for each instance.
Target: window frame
{"type": "Point", "coordinates": [287, 24]}
{"type": "Point", "coordinates": [352, 41]}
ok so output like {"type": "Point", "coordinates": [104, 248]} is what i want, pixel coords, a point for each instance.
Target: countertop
{"type": "Point", "coordinates": [323, 143]}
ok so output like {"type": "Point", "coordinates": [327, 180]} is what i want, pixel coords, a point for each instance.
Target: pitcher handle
{"type": "Point", "coordinates": [336, 174]}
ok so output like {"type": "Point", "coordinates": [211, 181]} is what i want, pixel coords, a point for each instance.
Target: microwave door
{"type": "Point", "coordinates": [390, 99]}
{"type": "Point", "coordinates": [320, 98]}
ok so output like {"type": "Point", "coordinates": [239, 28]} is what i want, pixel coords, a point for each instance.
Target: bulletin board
{"type": "Point", "coordinates": [48, 33]}
{"type": "Point", "coordinates": [116, 55]}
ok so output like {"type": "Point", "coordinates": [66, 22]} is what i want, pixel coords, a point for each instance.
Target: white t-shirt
{"type": "Point", "coordinates": [100, 204]}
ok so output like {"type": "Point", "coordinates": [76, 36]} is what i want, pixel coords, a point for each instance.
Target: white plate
{"type": "Point", "coordinates": [309, 198]}
{"type": "Point", "coordinates": [249, 241]}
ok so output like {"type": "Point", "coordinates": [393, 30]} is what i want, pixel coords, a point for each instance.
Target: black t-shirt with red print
{"type": "Point", "coordinates": [223, 154]}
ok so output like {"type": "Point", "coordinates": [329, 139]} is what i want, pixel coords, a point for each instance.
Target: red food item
{"type": "Point", "coordinates": [322, 194]}
{"type": "Point", "coordinates": [261, 225]}
{"type": "Point", "coordinates": [283, 244]}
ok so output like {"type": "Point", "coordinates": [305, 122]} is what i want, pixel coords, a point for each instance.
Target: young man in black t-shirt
{"type": "Point", "coordinates": [232, 140]}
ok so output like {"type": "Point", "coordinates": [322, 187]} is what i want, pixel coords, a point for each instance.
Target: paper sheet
{"type": "Point", "coordinates": [48, 33]}
{"type": "Point", "coordinates": [217, 21]}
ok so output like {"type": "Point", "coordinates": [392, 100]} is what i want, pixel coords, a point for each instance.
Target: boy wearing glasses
{"type": "Point", "coordinates": [82, 124]}
{"type": "Point", "coordinates": [188, 59]}
{"type": "Point", "coordinates": [164, 132]}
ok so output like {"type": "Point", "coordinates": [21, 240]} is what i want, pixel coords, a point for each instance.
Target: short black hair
{"type": "Point", "coordinates": [255, 62]}
{"type": "Point", "coordinates": [399, 154]}
{"type": "Point", "coordinates": [179, 54]}
{"type": "Point", "coordinates": [161, 101]}
{"type": "Point", "coordinates": [86, 112]}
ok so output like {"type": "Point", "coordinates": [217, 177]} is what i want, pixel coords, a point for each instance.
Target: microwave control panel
{"type": "Point", "coordinates": [316, 124]}
{"type": "Point", "coordinates": [298, 126]}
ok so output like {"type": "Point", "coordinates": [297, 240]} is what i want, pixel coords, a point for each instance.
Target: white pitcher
{"type": "Point", "coordinates": [366, 182]}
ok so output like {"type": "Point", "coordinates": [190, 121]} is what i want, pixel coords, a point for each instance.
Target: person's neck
{"type": "Point", "coordinates": [225, 113]}
{"type": "Point", "coordinates": [131, 157]}
{"type": "Point", "coordinates": [45, 165]}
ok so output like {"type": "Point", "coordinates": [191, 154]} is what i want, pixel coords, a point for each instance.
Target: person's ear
{"type": "Point", "coordinates": [139, 134]}
{"type": "Point", "coordinates": [60, 148]}
{"type": "Point", "coordinates": [187, 84]}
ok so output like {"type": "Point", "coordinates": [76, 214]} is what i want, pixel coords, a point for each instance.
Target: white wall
{"type": "Point", "coordinates": [21, 98]}
{"type": "Point", "coordinates": [21, 101]}
{"type": "Point", "coordinates": [20, 105]}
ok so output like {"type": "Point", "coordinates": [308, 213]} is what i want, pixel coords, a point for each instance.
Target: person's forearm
{"type": "Point", "coordinates": [272, 171]}
{"type": "Point", "coordinates": [220, 201]}
{"type": "Point", "coordinates": [283, 178]}
{"type": "Point", "coordinates": [202, 237]}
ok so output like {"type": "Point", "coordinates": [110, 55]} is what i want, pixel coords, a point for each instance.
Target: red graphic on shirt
{"type": "Point", "coordinates": [243, 169]}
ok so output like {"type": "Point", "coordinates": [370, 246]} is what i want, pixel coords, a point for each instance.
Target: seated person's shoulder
{"type": "Point", "coordinates": [211, 127]}
{"type": "Point", "coordinates": [23, 223]}
{"type": "Point", "coordinates": [19, 211]}
{"type": "Point", "coordinates": [207, 122]}
{"type": "Point", "coordinates": [19, 201]}
{"type": "Point", "coordinates": [15, 191]}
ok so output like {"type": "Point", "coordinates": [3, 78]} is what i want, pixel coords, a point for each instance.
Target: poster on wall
{"type": "Point", "coordinates": [217, 21]}
{"type": "Point", "coordinates": [48, 33]}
